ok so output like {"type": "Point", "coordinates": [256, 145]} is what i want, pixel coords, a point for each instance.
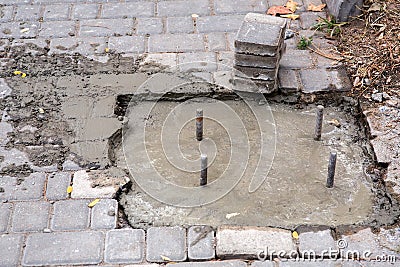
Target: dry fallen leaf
{"type": "Point", "coordinates": [292, 5]}
{"type": "Point", "coordinates": [69, 189]}
{"type": "Point", "coordinates": [231, 215]}
{"type": "Point", "coordinates": [318, 8]}
{"type": "Point", "coordinates": [295, 235]}
{"type": "Point", "coordinates": [93, 203]}
{"type": "Point", "coordinates": [165, 258]}
{"type": "Point", "coordinates": [291, 16]}
{"type": "Point", "coordinates": [275, 10]}
{"type": "Point", "coordinates": [334, 122]}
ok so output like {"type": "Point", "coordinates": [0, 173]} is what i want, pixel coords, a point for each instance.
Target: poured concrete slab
{"type": "Point", "coordinates": [293, 191]}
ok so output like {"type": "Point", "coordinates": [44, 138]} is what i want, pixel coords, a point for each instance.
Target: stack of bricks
{"type": "Point", "coordinates": [258, 49]}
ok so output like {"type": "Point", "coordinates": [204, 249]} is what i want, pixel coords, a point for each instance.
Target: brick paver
{"type": "Point", "coordinates": [104, 214]}
{"type": "Point", "coordinates": [63, 248]}
{"type": "Point", "coordinates": [125, 246]}
{"type": "Point", "coordinates": [57, 185]}
{"type": "Point", "coordinates": [169, 242]}
{"type": "Point", "coordinates": [70, 215]}
{"type": "Point", "coordinates": [5, 212]}
{"type": "Point", "coordinates": [10, 249]}
{"type": "Point", "coordinates": [17, 188]}
{"type": "Point", "coordinates": [30, 216]}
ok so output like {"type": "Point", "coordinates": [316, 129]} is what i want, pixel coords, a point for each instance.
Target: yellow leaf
{"type": "Point", "coordinates": [93, 203]}
{"type": "Point", "coordinates": [17, 72]}
{"type": "Point", "coordinates": [23, 75]}
{"type": "Point", "coordinates": [318, 8]}
{"type": "Point", "coordinates": [107, 49]}
{"type": "Point", "coordinates": [165, 258]}
{"type": "Point", "coordinates": [292, 5]}
{"type": "Point", "coordinates": [295, 235]}
{"type": "Point", "coordinates": [291, 16]}
{"type": "Point", "coordinates": [41, 111]}
{"type": "Point", "coordinates": [69, 189]}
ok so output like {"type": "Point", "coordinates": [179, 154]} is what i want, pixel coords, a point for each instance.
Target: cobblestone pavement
{"type": "Point", "coordinates": [42, 224]}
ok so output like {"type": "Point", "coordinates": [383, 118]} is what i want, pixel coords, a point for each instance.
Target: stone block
{"type": "Point", "coordinates": [71, 215]}
{"type": "Point", "coordinates": [30, 216]}
{"type": "Point", "coordinates": [343, 10]}
{"type": "Point", "coordinates": [5, 211]}
{"type": "Point", "coordinates": [201, 243]}
{"type": "Point", "coordinates": [106, 27]}
{"type": "Point", "coordinates": [180, 24]}
{"type": "Point", "coordinates": [104, 214]}
{"type": "Point", "coordinates": [227, 23]}
{"type": "Point", "coordinates": [128, 10]}
{"type": "Point", "coordinates": [127, 44]}
{"type": "Point", "coordinates": [57, 185]}
{"type": "Point", "coordinates": [268, 62]}
{"type": "Point", "coordinates": [166, 241]}
{"type": "Point", "coordinates": [231, 263]}
{"type": "Point", "coordinates": [56, 29]}
{"type": "Point", "coordinates": [254, 86]}
{"type": "Point", "coordinates": [248, 242]}
{"type": "Point", "coordinates": [124, 246]}
{"type": "Point", "coordinates": [85, 11]}
{"type": "Point", "coordinates": [316, 243]}
{"type": "Point", "coordinates": [176, 43]}
{"type": "Point", "coordinates": [17, 188]}
{"type": "Point", "coordinates": [56, 12]}
{"type": "Point", "coordinates": [260, 34]}
{"type": "Point", "coordinates": [10, 249]}
{"type": "Point", "coordinates": [149, 25]}
{"type": "Point", "coordinates": [288, 81]}
{"type": "Point", "coordinates": [239, 6]}
{"type": "Point", "coordinates": [183, 8]}
{"type": "Point", "coordinates": [65, 248]}
{"type": "Point", "coordinates": [257, 73]}
{"type": "Point", "coordinates": [199, 61]}
{"type": "Point", "coordinates": [27, 13]}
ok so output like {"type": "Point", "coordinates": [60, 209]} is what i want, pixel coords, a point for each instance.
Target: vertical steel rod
{"type": "Point", "coordinates": [203, 172]}
{"type": "Point", "coordinates": [331, 170]}
{"type": "Point", "coordinates": [318, 125]}
{"type": "Point", "coordinates": [199, 124]}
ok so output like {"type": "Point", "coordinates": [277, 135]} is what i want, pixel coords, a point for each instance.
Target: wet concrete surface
{"type": "Point", "coordinates": [294, 191]}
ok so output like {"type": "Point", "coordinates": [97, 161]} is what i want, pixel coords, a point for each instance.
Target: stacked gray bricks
{"type": "Point", "coordinates": [258, 48]}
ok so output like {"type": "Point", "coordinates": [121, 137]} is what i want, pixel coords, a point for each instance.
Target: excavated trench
{"type": "Point", "coordinates": [273, 173]}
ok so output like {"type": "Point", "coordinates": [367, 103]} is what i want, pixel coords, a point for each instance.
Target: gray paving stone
{"type": "Point", "coordinates": [17, 189]}
{"type": "Point", "coordinates": [104, 214]}
{"type": "Point", "coordinates": [19, 29]}
{"type": "Point", "coordinates": [251, 37]}
{"type": "Point", "coordinates": [263, 264]}
{"type": "Point", "coordinates": [166, 241]}
{"type": "Point", "coordinates": [57, 185]}
{"type": "Point", "coordinates": [217, 41]}
{"type": "Point", "coordinates": [183, 8]}
{"type": "Point", "coordinates": [6, 13]}
{"type": "Point", "coordinates": [325, 263]}
{"type": "Point", "coordinates": [203, 249]}
{"type": "Point", "coordinates": [315, 80]}
{"type": "Point", "coordinates": [63, 248]}
{"type": "Point", "coordinates": [316, 242]}
{"type": "Point", "coordinates": [176, 43]}
{"type": "Point", "coordinates": [180, 24]}
{"type": "Point", "coordinates": [340, 80]}
{"type": "Point", "coordinates": [388, 263]}
{"type": "Point", "coordinates": [309, 19]}
{"type": "Point", "coordinates": [266, 62]}
{"type": "Point", "coordinates": [7, 2]}
{"type": "Point", "coordinates": [231, 40]}
{"type": "Point", "coordinates": [127, 44]}
{"type": "Point", "coordinates": [228, 23]}
{"type": "Point", "coordinates": [27, 12]}
{"type": "Point", "coordinates": [30, 216]}
{"type": "Point", "coordinates": [125, 246]}
{"type": "Point", "coordinates": [288, 81]}
{"type": "Point", "coordinates": [249, 241]}
{"type": "Point", "coordinates": [85, 11]}
{"type": "Point", "coordinates": [199, 61]}
{"type": "Point", "coordinates": [128, 10]}
{"type": "Point", "coordinates": [10, 249]}
{"type": "Point", "coordinates": [54, 29]}
{"type": "Point", "coordinates": [83, 46]}
{"type": "Point", "coordinates": [231, 263]}
{"type": "Point", "coordinates": [70, 215]}
{"type": "Point", "coordinates": [254, 85]}
{"type": "Point", "coordinates": [106, 27]}
{"type": "Point", "coordinates": [343, 10]}
{"type": "Point", "coordinates": [225, 61]}
{"type": "Point", "coordinates": [296, 59]}
{"type": "Point", "coordinates": [149, 25]}
{"type": "Point", "coordinates": [239, 6]}
{"type": "Point", "coordinates": [256, 73]}
{"type": "Point", "coordinates": [56, 12]}
{"type": "Point", "coordinates": [5, 211]}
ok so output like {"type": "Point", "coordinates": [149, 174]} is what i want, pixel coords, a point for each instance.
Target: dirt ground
{"type": "Point", "coordinates": [370, 45]}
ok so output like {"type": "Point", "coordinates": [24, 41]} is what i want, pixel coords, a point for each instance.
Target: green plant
{"type": "Point", "coordinates": [329, 26]}
{"type": "Point", "coordinates": [304, 42]}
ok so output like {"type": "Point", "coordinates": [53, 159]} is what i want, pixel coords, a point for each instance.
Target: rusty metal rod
{"type": "Point", "coordinates": [203, 172]}
{"type": "Point", "coordinates": [331, 170]}
{"type": "Point", "coordinates": [199, 124]}
{"type": "Point", "coordinates": [318, 125]}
